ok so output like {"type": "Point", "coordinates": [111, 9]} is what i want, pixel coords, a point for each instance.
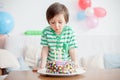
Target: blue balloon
{"type": "Point", "coordinates": [81, 15]}
{"type": "Point", "coordinates": [6, 22]}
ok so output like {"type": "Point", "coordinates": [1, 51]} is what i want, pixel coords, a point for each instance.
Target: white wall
{"type": "Point", "coordinates": [30, 15]}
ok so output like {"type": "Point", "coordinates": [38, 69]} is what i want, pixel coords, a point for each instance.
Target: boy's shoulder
{"type": "Point", "coordinates": [68, 28]}
{"type": "Point", "coordinates": [47, 30]}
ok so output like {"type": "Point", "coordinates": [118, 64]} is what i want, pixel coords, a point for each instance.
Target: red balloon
{"type": "Point", "coordinates": [99, 12]}
{"type": "Point", "coordinates": [84, 4]}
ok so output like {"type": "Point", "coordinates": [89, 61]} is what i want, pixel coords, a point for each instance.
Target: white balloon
{"type": "Point", "coordinates": [89, 11]}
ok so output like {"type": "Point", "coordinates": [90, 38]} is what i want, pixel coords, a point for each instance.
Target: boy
{"type": "Point", "coordinates": [58, 39]}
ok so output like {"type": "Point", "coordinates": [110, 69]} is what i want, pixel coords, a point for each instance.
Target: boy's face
{"type": "Point", "coordinates": [57, 23]}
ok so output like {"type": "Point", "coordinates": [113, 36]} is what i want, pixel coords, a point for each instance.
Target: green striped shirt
{"type": "Point", "coordinates": [59, 45]}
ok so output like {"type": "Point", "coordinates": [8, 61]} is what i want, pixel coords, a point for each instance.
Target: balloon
{"type": "Point", "coordinates": [89, 11]}
{"type": "Point", "coordinates": [84, 4]}
{"type": "Point", "coordinates": [6, 23]}
{"type": "Point", "coordinates": [99, 12]}
{"type": "Point", "coordinates": [92, 22]}
{"type": "Point", "coordinates": [81, 15]}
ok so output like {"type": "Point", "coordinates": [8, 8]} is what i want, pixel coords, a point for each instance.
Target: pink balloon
{"type": "Point", "coordinates": [99, 12]}
{"type": "Point", "coordinates": [84, 4]}
{"type": "Point", "coordinates": [92, 22]}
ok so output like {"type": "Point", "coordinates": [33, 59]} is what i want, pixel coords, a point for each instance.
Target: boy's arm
{"type": "Point", "coordinates": [44, 54]}
{"type": "Point", "coordinates": [73, 55]}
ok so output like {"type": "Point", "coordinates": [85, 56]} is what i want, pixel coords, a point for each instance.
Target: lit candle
{"type": "Point", "coordinates": [60, 54]}
{"type": "Point", "coordinates": [55, 52]}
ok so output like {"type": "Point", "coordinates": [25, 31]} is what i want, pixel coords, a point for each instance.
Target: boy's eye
{"type": "Point", "coordinates": [52, 22]}
{"type": "Point", "coordinates": [60, 22]}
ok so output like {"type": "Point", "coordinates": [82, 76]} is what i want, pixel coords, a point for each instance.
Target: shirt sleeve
{"type": "Point", "coordinates": [73, 41]}
{"type": "Point", "coordinates": [44, 38]}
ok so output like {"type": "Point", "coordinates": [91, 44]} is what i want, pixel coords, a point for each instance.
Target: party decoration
{"type": "Point", "coordinates": [84, 4]}
{"type": "Point", "coordinates": [81, 15]}
{"type": "Point", "coordinates": [99, 12]}
{"type": "Point", "coordinates": [92, 22]}
{"type": "Point", "coordinates": [90, 14]}
{"type": "Point", "coordinates": [6, 22]}
{"type": "Point", "coordinates": [33, 32]}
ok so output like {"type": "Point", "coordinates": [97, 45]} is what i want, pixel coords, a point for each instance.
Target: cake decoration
{"type": "Point", "coordinates": [60, 67]}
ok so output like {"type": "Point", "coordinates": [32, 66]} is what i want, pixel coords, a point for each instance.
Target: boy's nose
{"type": "Point", "coordinates": [57, 26]}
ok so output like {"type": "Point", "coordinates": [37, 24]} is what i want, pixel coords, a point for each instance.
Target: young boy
{"type": "Point", "coordinates": [58, 39]}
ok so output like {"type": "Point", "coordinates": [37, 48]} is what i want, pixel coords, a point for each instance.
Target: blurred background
{"type": "Point", "coordinates": [99, 33]}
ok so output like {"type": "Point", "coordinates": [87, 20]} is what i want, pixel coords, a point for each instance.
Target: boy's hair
{"type": "Point", "coordinates": [57, 8]}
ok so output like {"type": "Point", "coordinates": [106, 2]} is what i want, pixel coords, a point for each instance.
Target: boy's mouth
{"type": "Point", "coordinates": [58, 31]}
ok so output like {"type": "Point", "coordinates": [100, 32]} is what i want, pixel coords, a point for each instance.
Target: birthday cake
{"type": "Point", "coordinates": [60, 67]}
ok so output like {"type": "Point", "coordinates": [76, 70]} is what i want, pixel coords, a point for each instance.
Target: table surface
{"type": "Point", "coordinates": [101, 74]}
